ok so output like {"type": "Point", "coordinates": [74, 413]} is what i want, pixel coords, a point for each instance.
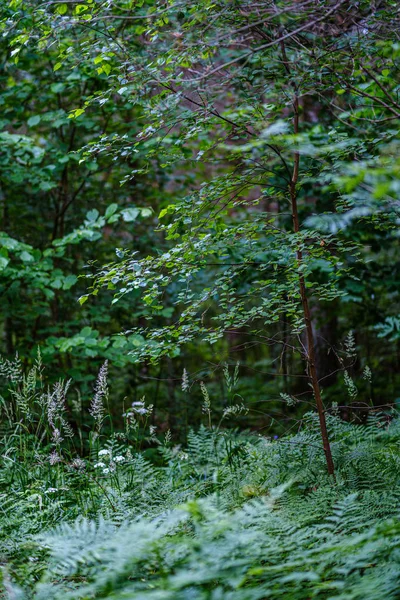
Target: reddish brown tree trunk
{"type": "Point", "coordinates": [310, 357]}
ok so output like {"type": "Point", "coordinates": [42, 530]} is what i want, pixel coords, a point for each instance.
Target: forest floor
{"type": "Point", "coordinates": [231, 516]}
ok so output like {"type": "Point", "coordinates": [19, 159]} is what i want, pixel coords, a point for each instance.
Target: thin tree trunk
{"type": "Point", "coordinates": [310, 357]}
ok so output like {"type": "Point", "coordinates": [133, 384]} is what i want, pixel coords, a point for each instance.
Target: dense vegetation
{"type": "Point", "coordinates": [230, 515]}
{"type": "Point", "coordinates": [199, 203]}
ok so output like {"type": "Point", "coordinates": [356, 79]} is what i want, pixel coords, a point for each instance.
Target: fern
{"type": "Point", "coordinates": [230, 516]}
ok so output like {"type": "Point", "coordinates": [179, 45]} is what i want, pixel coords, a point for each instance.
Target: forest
{"type": "Point", "coordinates": [200, 299]}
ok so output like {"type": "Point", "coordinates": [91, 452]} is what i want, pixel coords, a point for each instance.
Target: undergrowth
{"type": "Point", "coordinates": [232, 516]}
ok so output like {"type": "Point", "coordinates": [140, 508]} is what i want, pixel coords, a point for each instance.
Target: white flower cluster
{"type": "Point", "coordinates": [139, 408]}
{"type": "Point", "coordinates": [112, 462]}
{"type": "Point", "coordinates": [52, 490]}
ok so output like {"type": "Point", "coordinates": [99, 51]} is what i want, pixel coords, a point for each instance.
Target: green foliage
{"type": "Point", "coordinates": [58, 214]}
{"type": "Point", "coordinates": [230, 515]}
{"type": "Point", "coordinates": [390, 328]}
{"type": "Point", "coordinates": [220, 100]}
{"type": "Point", "coordinates": [199, 182]}
{"type": "Point", "coordinates": [115, 113]}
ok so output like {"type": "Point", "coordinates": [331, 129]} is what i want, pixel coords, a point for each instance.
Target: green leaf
{"type": "Point", "coordinates": [57, 88]}
{"type": "Point", "coordinates": [26, 257]}
{"type": "Point", "coordinates": [45, 186]}
{"type": "Point", "coordinates": [80, 8]}
{"type": "Point", "coordinates": [92, 215]}
{"type": "Point", "coordinates": [57, 284]}
{"type": "Point", "coordinates": [32, 121]}
{"type": "Point", "coordinates": [166, 211]}
{"type": "Point", "coordinates": [76, 113]}
{"type": "Point", "coordinates": [3, 262]}
{"type": "Point", "coordinates": [62, 9]}
{"type": "Point", "coordinates": [130, 214]}
{"type": "Point", "coordinates": [86, 331]}
{"type": "Point", "coordinates": [69, 281]}
{"type": "Point", "coordinates": [8, 242]}
{"type": "Point", "coordinates": [111, 209]}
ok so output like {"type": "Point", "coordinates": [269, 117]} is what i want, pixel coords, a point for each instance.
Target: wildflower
{"type": "Point", "coordinates": [57, 437]}
{"type": "Point", "coordinates": [350, 386]}
{"type": "Point", "coordinates": [119, 458]}
{"type": "Point", "coordinates": [350, 345]}
{"type": "Point", "coordinates": [367, 374]}
{"type": "Point", "coordinates": [78, 464]}
{"type": "Point", "coordinates": [101, 393]}
{"type": "Point", "coordinates": [185, 381]}
{"type": "Point", "coordinates": [54, 458]}
{"type": "Point", "coordinates": [290, 400]}
{"type": "Point", "coordinates": [206, 408]}
{"type": "Point", "coordinates": [12, 370]}
{"type": "Point", "coordinates": [51, 490]}
{"type": "Point", "coordinates": [99, 465]}
{"type": "Point", "coordinates": [55, 404]}
{"type": "Point", "coordinates": [176, 450]}
{"type": "Point", "coordinates": [235, 410]}
{"type": "Point", "coordinates": [106, 471]}
{"type": "Point", "coordinates": [104, 452]}
{"type": "Point", "coordinates": [140, 408]}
